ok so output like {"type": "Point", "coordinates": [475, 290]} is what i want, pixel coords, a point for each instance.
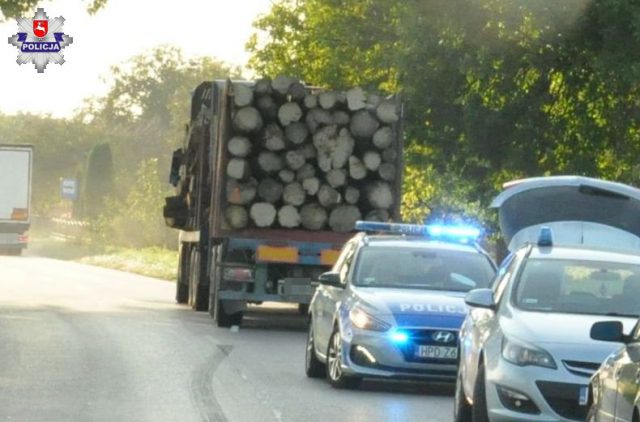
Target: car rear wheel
{"type": "Point", "coordinates": [336, 376]}
{"type": "Point", "coordinates": [461, 407]}
{"type": "Point", "coordinates": [312, 365]}
{"type": "Point", "coordinates": [479, 410]}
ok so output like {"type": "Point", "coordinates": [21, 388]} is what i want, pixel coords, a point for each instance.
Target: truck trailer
{"type": "Point", "coordinates": [256, 228]}
{"type": "Point", "coordinates": [15, 197]}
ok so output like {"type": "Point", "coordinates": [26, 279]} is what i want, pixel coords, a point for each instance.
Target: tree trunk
{"type": "Point", "coordinates": [241, 193]}
{"type": "Point", "coordinates": [311, 185]}
{"type": "Point", "coordinates": [270, 190]}
{"type": "Point", "coordinates": [262, 87]}
{"type": "Point", "coordinates": [316, 118]}
{"type": "Point", "coordinates": [356, 99]}
{"type": "Point", "coordinates": [296, 92]}
{"type": "Point", "coordinates": [236, 216]}
{"type": "Point", "coordinates": [324, 161]}
{"type": "Point", "coordinates": [383, 138]}
{"type": "Point", "coordinates": [389, 155]}
{"type": "Point", "coordinates": [273, 137]}
{"type": "Point", "coordinates": [310, 101]}
{"type": "Point", "coordinates": [295, 160]}
{"type": "Point", "coordinates": [294, 194]}
{"type": "Point", "coordinates": [305, 172]}
{"type": "Point", "coordinates": [270, 162]}
{"type": "Point", "coordinates": [238, 168]}
{"type": "Point", "coordinates": [242, 95]}
{"type": "Point", "coordinates": [340, 118]}
{"type": "Point", "coordinates": [325, 139]}
{"type": "Point", "coordinates": [363, 125]}
{"type": "Point", "coordinates": [289, 112]}
{"type": "Point", "coordinates": [288, 216]}
{"type": "Point", "coordinates": [327, 100]}
{"type": "Point", "coordinates": [343, 218]}
{"type": "Point", "coordinates": [328, 196]}
{"type": "Point", "coordinates": [297, 133]}
{"type": "Point", "coordinates": [313, 217]}
{"type": "Point", "coordinates": [268, 107]}
{"type": "Point", "coordinates": [308, 151]}
{"type": "Point", "coordinates": [387, 172]}
{"type": "Point", "coordinates": [263, 214]}
{"type": "Point", "coordinates": [357, 170]}
{"type": "Point", "coordinates": [281, 84]}
{"type": "Point", "coordinates": [377, 215]}
{"type": "Point", "coordinates": [379, 195]}
{"type": "Point", "coordinates": [387, 112]}
{"type": "Point", "coordinates": [286, 175]}
{"type": "Point", "coordinates": [247, 120]}
{"type": "Point", "coordinates": [337, 178]}
{"type": "Point", "coordinates": [372, 160]}
{"type": "Point", "coordinates": [239, 146]}
{"type": "Point", "coordinates": [351, 195]}
{"type": "Point", "coordinates": [344, 148]}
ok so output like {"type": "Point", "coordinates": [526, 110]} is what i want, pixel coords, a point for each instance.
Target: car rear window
{"type": "Point", "coordinates": [421, 268]}
{"type": "Point", "coordinates": [579, 286]}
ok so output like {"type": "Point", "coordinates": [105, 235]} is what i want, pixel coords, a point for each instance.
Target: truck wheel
{"type": "Point", "coordinates": [479, 410]}
{"type": "Point", "coordinates": [199, 294]}
{"type": "Point", "coordinates": [336, 376]}
{"type": "Point", "coordinates": [182, 282]}
{"type": "Point", "coordinates": [303, 308]}
{"type": "Point", "coordinates": [312, 365]}
{"type": "Point", "coordinates": [227, 320]}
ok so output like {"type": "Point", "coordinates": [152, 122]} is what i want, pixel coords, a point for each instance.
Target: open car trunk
{"type": "Point", "coordinates": [579, 210]}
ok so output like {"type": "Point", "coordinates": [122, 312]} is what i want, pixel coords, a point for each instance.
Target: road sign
{"type": "Point", "coordinates": [69, 189]}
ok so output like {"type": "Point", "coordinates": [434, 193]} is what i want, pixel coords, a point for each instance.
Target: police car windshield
{"type": "Point", "coordinates": [421, 268]}
{"type": "Point", "coordinates": [579, 286]}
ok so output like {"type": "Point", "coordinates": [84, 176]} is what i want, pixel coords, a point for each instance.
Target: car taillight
{"type": "Point", "coordinates": [238, 274]}
{"type": "Point", "coordinates": [23, 238]}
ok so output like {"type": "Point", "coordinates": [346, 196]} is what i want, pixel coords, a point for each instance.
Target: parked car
{"type": "Point", "coordinates": [615, 388]}
{"type": "Point", "coordinates": [392, 305]}
{"type": "Point", "coordinates": [525, 347]}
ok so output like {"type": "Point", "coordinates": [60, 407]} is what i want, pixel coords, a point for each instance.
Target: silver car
{"type": "Point", "coordinates": [525, 346]}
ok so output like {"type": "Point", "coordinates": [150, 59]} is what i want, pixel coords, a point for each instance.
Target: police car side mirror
{"type": "Point", "coordinates": [612, 331]}
{"type": "Point", "coordinates": [480, 298]}
{"type": "Point", "coordinates": [330, 279]}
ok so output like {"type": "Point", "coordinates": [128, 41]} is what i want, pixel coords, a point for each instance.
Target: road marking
{"type": "Point", "coordinates": [202, 386]}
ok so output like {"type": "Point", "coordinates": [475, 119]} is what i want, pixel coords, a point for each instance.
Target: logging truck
{"type": "Point", "coordinates": [15, 197]}
{"type": "Point", "coordinates": [270, 180]}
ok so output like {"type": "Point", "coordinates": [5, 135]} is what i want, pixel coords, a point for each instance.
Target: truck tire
{"type": "Point", "coordinates": [182, 281]}
{"type": "Point", "coordinates": [303, 308]}
{"type": "Point", "coordinates": [198, 294]}
{"type": "Point", "coordinates": [227, 320]}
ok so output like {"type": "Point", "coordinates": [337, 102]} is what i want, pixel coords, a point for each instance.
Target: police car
{"type": "Point", "coordinates": [393, 303]}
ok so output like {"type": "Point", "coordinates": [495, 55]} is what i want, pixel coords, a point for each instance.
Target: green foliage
{"type": "Point", "coordinates": [17, 8]}
{"type": "Point", "coordinates": [98, 183]}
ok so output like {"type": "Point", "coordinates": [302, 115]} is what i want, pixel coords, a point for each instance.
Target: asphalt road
{"type": "Point", "coordinates": [80, 343]}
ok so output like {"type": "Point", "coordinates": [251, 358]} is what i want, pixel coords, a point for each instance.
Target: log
{"type": "Point", "coordinates": [389, 155]}
{"type": "Point", "coordinates": [242, 95]}
{"type": "Point", "coordinates": [305, 172]}
{"type": "Point", "coordinates": [387, 172]}
{"type": "Point", "coordinates": [383, 138]}
{"type": "Point", "coordinates": [373, 101]}
{"type": "Point", "coordinates": [372, 160]}
{"type": "Point", "coordinates": [363, 125]}
{"type": "Point", "coordinates": [263, 214]}
{"type": "Point", "coordinates": [310, 101]}
{"type": "Point", "coordinates": [316, 118]}
{"type": "Point", "coordinates": [357, 170]}
{"type": "Point", "coordinates": [236, 216]}
{"type": "Point", "coordinates": [377, 215]}
{"type": "Point", "coordinates": [344, 148]}
{"type": "Point", "coordinates": [294, 194]}
{"type": "Point", "coordinates": [270, 190]}
{"type": "Point", "coordinates": [343, 218]}
{"type": "Point", "coordinates": [387, 112]}
{"type": "Point", "coordinates": [351, 195]}
{"type": "Point", "coordinates": [270, 162]}
{"type": "Point", "coordinates": [241, 193]}
{"type": "Point", "coordinates": [337, 178]}
{"type": "Point", "coordinates": [273, 137]}
{"type": "Point", "coordinates": [311, 185]}
{"type": "Point", "coordinates": [313, 216]}
{"type": "Point", "coordinates": [296, 133]}
{"type": "Point", "coordinates": [308, 151]}
{"type": "Point", "coordinates": [239, 146]}
{"type": "Point", "coordinates": [247, 120]}
{"type": "Point", "coordinates": [295, 160]}
{"type": "Point", "coordinates": [356, 99]}
{"type": "Point", "coordinates": [281, 84]}
{"type": "Point", "coordinates": [324, 161]}
{"type": "Point", "coordinates": [238, 168]}
{"type": "Point", "coordinates": [268, 107]}
{"type": "Point", "coordinates": [340, 118]}
{"type": "Point", "coordinates": [262, 87]}
{"type": "Point", "coordinates": [328, 196]}
{"type": "Point", "coordinates": [296, 92]}
{"type": "Point", "coordinates": [289, 112]}
{"type": "Point", "coordinates": [286, 176]}
{"type": "Point", "coordinates": [379, 195]}
{"type": "Point", "coordinates": [327, 100]}
{"type": "Point", "coordinates": [288, 216]}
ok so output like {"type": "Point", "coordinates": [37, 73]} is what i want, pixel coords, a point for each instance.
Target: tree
{"type": "Point", "coordinates": [17, 8]}
{"type": "Point", "coordinates": [98, 182]}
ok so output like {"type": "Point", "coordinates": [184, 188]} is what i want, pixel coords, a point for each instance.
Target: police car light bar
{"type": "Point", "coordinates": [459, 232]}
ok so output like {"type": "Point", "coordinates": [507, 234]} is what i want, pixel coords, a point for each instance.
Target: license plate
{"type": "Point", "coordinates": [437, 352]}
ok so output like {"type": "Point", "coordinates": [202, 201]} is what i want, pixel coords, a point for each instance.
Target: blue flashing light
{"type": "Point", "coordinates": [399, 337]}
{"type": "Point", "coordinates": [458, 232]}
{"type": "Point", "coordinates": [545, 238]}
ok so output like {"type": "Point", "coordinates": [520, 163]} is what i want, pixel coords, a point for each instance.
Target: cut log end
{"type": "Point", "coordinates": [313, 216]}
{"type": "Point", "coordinates": [343, 218]}
{"type": "Point", "coordinates": [288, 216]}
{"type": "Point", "coordinates": [236, 217]}
{"type": "Point", "coordinates": [263, 214]}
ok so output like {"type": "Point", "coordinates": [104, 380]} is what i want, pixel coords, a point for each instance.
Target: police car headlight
{"type": "Point", "coordinates": [365, 321]}
{"type": "Point", "coordinates": [523, 354]}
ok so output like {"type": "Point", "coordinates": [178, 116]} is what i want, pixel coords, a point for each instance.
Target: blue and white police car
{"type": "Point", "coordinates": [392, 305]}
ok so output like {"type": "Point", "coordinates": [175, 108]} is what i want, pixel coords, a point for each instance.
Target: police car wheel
{"type": "Point", "coordinates": [336, 376]}
{"type": "Point", "coordinates": [312, 365]}
{"type": "Point", "coordinates": [479, 410]}
{"type": "Point", "coordinates": [461, 407]}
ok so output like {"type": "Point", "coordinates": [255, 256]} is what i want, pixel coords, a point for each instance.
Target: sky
{"type": "Point", "coordinates": [124, 28]}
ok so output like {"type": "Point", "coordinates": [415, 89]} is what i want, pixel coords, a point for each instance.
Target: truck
{"type": "Point", "coordinates": [15, 197]}
{"type": "Point", "coordinates": [235, 251]}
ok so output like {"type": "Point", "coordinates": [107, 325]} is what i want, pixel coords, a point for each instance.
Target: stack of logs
{"type": "Point", "coordinates": [310, 159]}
